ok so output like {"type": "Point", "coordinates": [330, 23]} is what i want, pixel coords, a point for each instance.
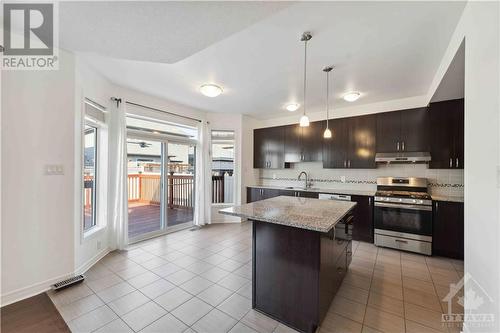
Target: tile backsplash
{"type": "Point", "coordinates": [441, 181]}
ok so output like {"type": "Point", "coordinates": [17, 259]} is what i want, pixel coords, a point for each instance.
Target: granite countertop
{"type": "Point", "coordinates": [304, 213]}
{"type": "Point", "coordinates": [320, 190]}
{"type": "Point", "coordinates": [451, 198]}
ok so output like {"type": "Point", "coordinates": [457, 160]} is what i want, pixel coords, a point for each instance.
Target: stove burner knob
{"type": "Point", "coordinates": [400, 200]}
{"type": "Point", "coordinates": [420, 201]}
{"type": "Point", "coordinates": [414, 201]}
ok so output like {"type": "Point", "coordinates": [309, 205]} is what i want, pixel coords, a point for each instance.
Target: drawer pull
{"type": "Point", "coordinates": [401, 241]}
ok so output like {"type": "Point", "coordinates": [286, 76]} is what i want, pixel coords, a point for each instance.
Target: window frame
{"type": "Point", "coordinates": [235, 168]}
{"type": "Point", "coordinates": [96, 117]}
{"type": "Point", "coordinates": [95, 126]}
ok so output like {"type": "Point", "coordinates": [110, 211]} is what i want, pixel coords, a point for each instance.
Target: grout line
{"type": "Point", "coordinates": [403, 290]}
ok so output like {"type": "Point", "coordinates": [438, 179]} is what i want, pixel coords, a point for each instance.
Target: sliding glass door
{"type": "Point", "coordinates": [181, 176]}
{"type": "Point", "coordinates": [145, 160]}
{"type": "Point", "coordinates": [161, 185]}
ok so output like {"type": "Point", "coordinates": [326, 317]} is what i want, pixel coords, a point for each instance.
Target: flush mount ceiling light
{"type": "Point", "coordinates": [352, 96]}
{"type": "Point", "coordinates": [211, 90]}
{"type": "Point", "coordinates": [327, 134]}
{"type": "Point", "coordinates": [292, 107]}
{"type": "Point", "coordinates": [304, 120]}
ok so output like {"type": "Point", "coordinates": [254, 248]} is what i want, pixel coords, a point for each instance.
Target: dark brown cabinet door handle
{"type": "Point", "coordinates": [451, 162]}
{"type": "Point", "coordinates": [456, 162]}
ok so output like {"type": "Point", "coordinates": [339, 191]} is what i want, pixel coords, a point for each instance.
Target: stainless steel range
{"type": "Point", "coordinates": [403, 214]}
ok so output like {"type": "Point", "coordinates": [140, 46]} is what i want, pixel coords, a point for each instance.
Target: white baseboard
{"type": "Point", "coordinates": [91, 262]}
{"type": "Point", "coordinates": [31, 290]}
{"type": "Point", "coordinates": [41, 287]}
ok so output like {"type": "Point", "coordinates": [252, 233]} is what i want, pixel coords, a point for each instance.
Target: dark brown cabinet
{"type": "Point", "coordinates": [312, 141]}
{"type": "Point", "coordinates": [304, 144]}
{"type": "Point", "coordinates": [403, 131]}
{"type": "Point", "coordinates": [352, 144]}
{"type": "Point", "coordinates": [335, 149]}
{"type": "Point", "coordinates": [269, 148]}
{"type": "Point", "coordinates": [448, 229]}
{"type": "Point", "coordinates": [297, 272]}
{"type": "Point", "coordinates": [302, 194]}
{"type": "Point", "coordinates": [256, 194]}
{"type": "Point", "coordinates": [362, 142]}
{"type": "Point", "coordinates": [447, 134]}
{"type": "Point", "coordinates": [363, 224]}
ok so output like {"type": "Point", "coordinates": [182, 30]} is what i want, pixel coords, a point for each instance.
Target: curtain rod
{"type": "Point", "coordinates": [155, 109]}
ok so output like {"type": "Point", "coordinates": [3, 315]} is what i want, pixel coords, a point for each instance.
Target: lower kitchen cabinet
{"type": "Point", "coordinates": [363, 223]}
{"type": "Point", "coordinates": [302, 194]}
{"type": "Point", "coordinates": [256, 194]}
{"type": "Point", "coordinates": [448, 229]}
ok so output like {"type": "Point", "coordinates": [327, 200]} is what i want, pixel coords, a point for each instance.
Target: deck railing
{"type": "Point", "coordinates": [146, 188]}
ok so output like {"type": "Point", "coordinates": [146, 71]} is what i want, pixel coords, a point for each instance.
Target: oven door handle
{"type": "Point", "coordinates": [411, 207]}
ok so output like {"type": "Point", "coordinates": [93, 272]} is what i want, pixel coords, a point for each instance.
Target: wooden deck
{"type": "Point", "coordinates": [144, 218]}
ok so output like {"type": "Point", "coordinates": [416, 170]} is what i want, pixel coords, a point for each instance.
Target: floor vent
{"type": "Point", "coordinates": [68, 282]}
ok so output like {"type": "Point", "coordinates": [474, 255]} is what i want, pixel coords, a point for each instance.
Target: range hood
{"type": "Point", "coordinates": [403, 157]}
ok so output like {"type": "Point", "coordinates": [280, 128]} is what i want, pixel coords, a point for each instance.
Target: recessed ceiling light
{"type": "Point", "coordinates": [211, 90]}
{"type": "Point", "coordinates": [292, 107]}
{"type": "Point", "coordinates": [352, 96]}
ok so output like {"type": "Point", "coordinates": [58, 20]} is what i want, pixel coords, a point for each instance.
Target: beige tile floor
{"type": "Point", "coordinates": [200, 281]}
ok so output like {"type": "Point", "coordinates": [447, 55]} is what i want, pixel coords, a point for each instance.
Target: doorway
{"type": "Point", "coordinates": [160, 185]}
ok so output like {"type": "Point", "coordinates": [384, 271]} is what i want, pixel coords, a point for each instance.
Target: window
{"type": "Point", "coordinates": [89, 177]}
{"type": "Point", "coordinates": [222, 167]}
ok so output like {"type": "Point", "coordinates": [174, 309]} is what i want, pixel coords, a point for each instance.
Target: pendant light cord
{"type": "Point", "coordinates": [327, 96]}
{"type": "Point", "coordinates": [305, 73]}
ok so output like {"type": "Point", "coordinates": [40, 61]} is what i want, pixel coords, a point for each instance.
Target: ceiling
{"type": "Point", "coordinates": [154, 31]}
{"type": "Point", "coordinates": [385, 50]}
{"type": "Point", "coordinates": [452, 85]}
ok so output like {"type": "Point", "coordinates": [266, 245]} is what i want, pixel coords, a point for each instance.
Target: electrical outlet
{"type": "Point", "coordinates": [54, 169]}
{"type": "Point", "coordinates": [342, 179]}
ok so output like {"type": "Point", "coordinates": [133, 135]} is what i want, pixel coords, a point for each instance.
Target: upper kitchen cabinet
{"type": "Point", "coordinates": [269, 148]}
{"type": "Point", "coordinates": [335, 148]}
{"type": "Point", "coordinates": [352, 144]}
{"type": "Point", "coordinates": [362, 142]}
{"type": "Point", "coordinates": [312, 141]}
{"type": "Point", "coordinates": [304, 144]}
{"type": "Point", "coordinates": [447, 134]}
{"type": "Point", "coordinates": [403, 131]}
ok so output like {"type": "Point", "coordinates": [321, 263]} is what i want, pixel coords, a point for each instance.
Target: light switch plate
{"type": "Point", "coordinates": [54, 169]}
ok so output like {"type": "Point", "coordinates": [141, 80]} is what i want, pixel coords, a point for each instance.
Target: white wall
{"type": "Point", "coordinates": [37, 216]}
{"type": "Point", "coordinates": [480, 27]}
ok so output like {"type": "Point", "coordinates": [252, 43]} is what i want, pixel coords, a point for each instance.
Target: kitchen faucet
{"type": "Point", "coordinates": [307, 181]}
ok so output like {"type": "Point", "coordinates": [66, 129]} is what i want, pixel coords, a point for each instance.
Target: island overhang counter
{"type": "Point", "coordinates": [301, 253]}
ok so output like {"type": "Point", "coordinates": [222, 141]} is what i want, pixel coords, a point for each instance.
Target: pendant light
{"type": "Point", "coordinates": [327, 134]}
{"type": "Point", "coordinates": [304, 120]}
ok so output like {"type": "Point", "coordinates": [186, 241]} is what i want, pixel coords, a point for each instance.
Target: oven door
{"type": "Point", "coordinates": [411, 219]}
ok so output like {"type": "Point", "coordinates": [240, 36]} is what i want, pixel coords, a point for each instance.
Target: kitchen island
{"type": "Point", "coordinates": [301, 253]}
